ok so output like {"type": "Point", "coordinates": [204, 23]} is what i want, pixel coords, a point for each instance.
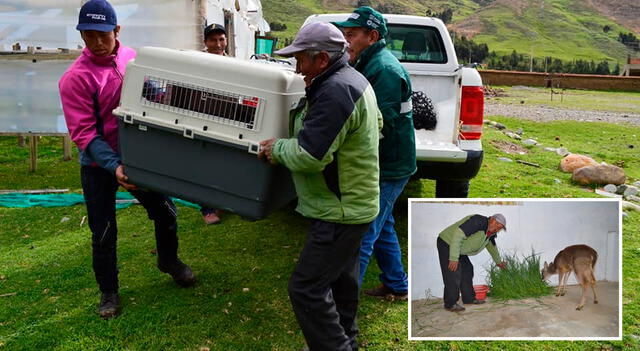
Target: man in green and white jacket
{"type": "Point", "coordinates": [333, 158]}
{"type": "Point", "coordinates": [466, 237]}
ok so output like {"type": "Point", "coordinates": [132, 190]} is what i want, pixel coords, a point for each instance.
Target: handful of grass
{"type": "Point", "coordinates": [520, 279]}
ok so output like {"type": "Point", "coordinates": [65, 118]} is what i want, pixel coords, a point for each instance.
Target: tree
{"type": "Point", "coordinates": [606, 28]}
{"type": "Point", "coordinates": [602, 68]}
{"type": "Point", "coordinates": [469, 51]}
{"type": "Point", "coordinates": [446, 15]}
{"type": "Point", "coordinates": [277, 26]}
{"type": "Point", "coordinates": [616, 70]}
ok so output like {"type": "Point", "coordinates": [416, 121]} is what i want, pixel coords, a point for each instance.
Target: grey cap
{"type": "Point", "coordinates": [316, 36]}
{"type": "Point", "coordinates": [499, 217]}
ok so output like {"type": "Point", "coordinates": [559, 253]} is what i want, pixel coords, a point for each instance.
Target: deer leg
{"type": "Point", "coordinates": [564, 283]}
{"type": "Point", "coordinates": [560, 276]}
{"type": "Point", "coordinates": [593, 288]}
{"type": "Point", "coordinates": [583, 298]}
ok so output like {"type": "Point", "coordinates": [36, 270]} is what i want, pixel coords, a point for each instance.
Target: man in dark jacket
{"type": "Point", "coordinates": [365, 30]}
{"type": "Point", "coordinates": [333, 158]}
{"type": "Point", "coordinates": [466, 237]}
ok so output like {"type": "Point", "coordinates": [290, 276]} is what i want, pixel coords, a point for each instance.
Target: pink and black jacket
{"type": "Point", "coordinates": [90, 91]}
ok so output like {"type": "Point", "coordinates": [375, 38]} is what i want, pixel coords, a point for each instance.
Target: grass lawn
{"type": "Point", "coordinates": [588, 100]}
{"type": "Point", "coordinates": [48, 294]}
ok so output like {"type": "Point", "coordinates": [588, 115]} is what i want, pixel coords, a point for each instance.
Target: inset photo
{"type": "Point", "coordinates": [532, 269]}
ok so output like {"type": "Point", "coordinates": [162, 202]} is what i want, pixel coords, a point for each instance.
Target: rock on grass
{"type": "Point", "coordinates": [599, 174]}
{"type": "Point", "coordinates": [574, 161]}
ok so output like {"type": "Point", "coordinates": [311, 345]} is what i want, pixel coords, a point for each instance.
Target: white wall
{"type": "Point", "coordinates": [546, 226]}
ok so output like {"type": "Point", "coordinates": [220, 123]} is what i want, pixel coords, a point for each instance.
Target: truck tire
{"type": "Point", "coordinates": [452, 188]}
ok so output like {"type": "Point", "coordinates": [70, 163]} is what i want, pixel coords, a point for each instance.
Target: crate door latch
{"type": "Point", "coordinates": [254, 148]}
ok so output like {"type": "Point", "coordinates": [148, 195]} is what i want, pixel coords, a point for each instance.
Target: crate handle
{"type": "Point", "coordinates": [128, 119]}
{"type": "Point", "coordinates": [187, 133]}
{"type": "Point", "coordinates": [254, 148]}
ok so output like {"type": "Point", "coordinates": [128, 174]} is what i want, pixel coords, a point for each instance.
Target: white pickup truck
{"type": "Point", "coordinates": [451, 153]}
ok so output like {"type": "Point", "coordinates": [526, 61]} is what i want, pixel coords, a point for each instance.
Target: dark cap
{"type": "Point", "coordinates": [321, 36]}
{"type": "Point", "coordinates": [214, 27]}
{"type": "Point", "coordinates": [97, 15]}
{"type": "Point", "coordinates": [366, 17]}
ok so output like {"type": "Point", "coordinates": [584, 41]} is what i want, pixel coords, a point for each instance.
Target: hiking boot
{"type": "Point", "coordinates": [211, 218]}
{"type": "Point", "coordinates": [384, 291]}
{"type": "Point", "coordinates": [109, 305]}
{"type": "Point", "coordinates": [475, 302]}
{"type": "Point", "coordinates": [180, 272]}
{"type": "Point", "coordinates": [455, 308]}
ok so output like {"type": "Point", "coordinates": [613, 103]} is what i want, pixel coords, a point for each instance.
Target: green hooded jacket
{"type": "Point", "coordinates": [391, 82]}
{"type": "Point", "coordinates": [468, 236]}
{"type": "Point", "coordinates": [333, 152]}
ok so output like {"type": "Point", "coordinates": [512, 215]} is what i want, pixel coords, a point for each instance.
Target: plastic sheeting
{"type": "Point", "coordinates": [29, 100]}
{"type": "Point", "coordinates": [51, 24]}
{"type": "Point", "coordinates": [18, 200]}
{"type": "Point", "coordinates": [177, 24]}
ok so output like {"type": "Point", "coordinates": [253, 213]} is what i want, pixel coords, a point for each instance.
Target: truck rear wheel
{"type": "Point", "coordinates": [452, 188]}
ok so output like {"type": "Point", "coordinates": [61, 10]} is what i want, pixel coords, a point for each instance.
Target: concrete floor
{"type": "Point", "coordinates": [549, 316]}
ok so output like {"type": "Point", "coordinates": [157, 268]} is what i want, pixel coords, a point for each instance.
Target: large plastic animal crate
{"type": "Point", "coordinates": [191, 123]}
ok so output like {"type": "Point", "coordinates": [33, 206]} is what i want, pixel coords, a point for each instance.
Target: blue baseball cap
{"type": "Point", "coordinates": [97, 15]}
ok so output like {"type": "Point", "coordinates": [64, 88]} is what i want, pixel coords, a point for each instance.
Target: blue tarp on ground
{"type": "Point", "coordinates": [19, 200]}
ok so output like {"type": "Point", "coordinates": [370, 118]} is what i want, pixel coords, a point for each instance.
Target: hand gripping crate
{"type": "Point", "coordinates": [191, 122]}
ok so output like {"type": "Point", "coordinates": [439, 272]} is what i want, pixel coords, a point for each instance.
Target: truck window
{"type": "Point", "coordinates": [416, 44]}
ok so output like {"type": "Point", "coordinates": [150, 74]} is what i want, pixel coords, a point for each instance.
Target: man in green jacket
{"type": "Point", "coordinates": [466, 237]}
{"type": "Point", "coordinates": [365, 30]}
{"type": "Point", "coordinates": [333, 158]}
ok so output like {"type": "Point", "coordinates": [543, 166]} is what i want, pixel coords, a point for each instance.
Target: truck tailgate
{"type": "Point", "coordinates": [429, 148]}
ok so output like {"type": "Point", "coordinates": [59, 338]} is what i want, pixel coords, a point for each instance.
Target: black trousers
{"type": "Point", "coordinates": [99, 187]}
{"type": "Point", "coordinates": [456, 283]}
{"type": "Point", "coordinates": [324, 286]}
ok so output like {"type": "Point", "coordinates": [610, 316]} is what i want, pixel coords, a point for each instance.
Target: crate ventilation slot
{"type": "Point", "coordinates": [200, 102]}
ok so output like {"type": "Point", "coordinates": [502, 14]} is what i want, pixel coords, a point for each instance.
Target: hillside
{"type": "Point", "coordinates": [566, 29]}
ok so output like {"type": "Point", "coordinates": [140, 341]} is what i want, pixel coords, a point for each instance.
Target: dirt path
{"type": "Point", "coordinates": [548, 316]}
{"type": "Point", "coordinates": [545, 113]}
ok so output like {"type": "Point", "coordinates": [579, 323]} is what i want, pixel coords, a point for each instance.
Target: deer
{"type": "Point", "coordinates": [580, 259]}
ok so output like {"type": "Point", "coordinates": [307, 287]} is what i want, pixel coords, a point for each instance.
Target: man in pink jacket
{"type": "Point", "coordinates": [90, 90]}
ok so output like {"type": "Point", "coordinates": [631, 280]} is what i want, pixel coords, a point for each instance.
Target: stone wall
{"type": "Point", "coordinates": [560, 80]}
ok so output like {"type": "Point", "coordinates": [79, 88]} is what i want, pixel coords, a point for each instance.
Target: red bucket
{"type": "Point", "coordinates": [481, 291]}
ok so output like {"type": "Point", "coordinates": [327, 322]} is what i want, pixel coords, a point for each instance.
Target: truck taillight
{"type": "Point", "coordinates": [471, 112]}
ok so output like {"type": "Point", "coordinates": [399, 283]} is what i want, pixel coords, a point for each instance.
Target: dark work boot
{"type": "Point", "coordinates": [109, 305]}
{"type": "Point", "coordinates": [180, 272]}
{"type": "Point", "coordinates": [384, 291]}
{"type": "Point", "coordinates": [455, 308]}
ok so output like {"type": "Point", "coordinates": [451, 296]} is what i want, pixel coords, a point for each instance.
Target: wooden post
{"type": "Point", "coordinates": [201, 21]}
{"type": "Point", "coordinates": [231, 33]}
{"type": "Point", "coordinates": [21, 142]}
{"type": "Point", "coordinates": [66, 147]}
{"type": "Point", "coordinates": [33, 153]}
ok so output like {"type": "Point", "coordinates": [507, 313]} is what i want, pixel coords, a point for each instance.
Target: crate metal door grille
{"type": "Point", "coordinates": [205, 103]}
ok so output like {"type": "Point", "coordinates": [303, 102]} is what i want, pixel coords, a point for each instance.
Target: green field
{"type": "Point", "coordinates": [48, 294]}
{"type": "Point", "coordinates": [587, 100]}
{"type": "Point", "coordinates": [565, 29]}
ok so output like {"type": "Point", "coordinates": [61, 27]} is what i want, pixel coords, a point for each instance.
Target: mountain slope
{"type": "Point", "coordinates": [566, 29]}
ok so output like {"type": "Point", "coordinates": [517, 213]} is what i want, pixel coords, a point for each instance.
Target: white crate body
{"type": "Point", "coordinates": [197, 93]}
